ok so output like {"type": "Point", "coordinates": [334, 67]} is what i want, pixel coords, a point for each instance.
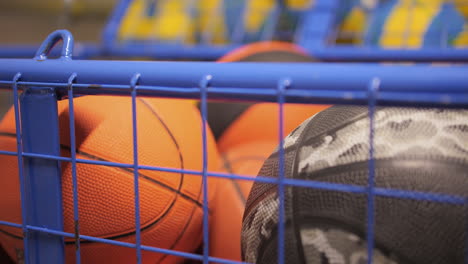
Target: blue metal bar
{"type": "Point", "coordinates": [343, 53]}
{"type": "Point", "coordinates": [339, 53]}
{"type": "Point", "coordinates": [43, 189]}
{"type": "Point", "coordinates": [76, 217]}
{"type": "Point", "coordinates": [19, 148]}
{"type": "Point", "coordinates": [333, 76]}
{"type": "Point", "coordinates": [169, 51]}
{"type": "Point", "coordinates": [282, 86]}
{"type": "Point", "coordinates": [449, 99]}
{"type": "Point", "coordinates": [11, 224]}
{"type": "Point", "coordinates": [443, 98]}
{"type": "Point", "coordinates": [373, 88]}
{"type": "Point", "coordinates": [80, 51]}
{"type": "Point", "coordinates": [410, 85]}
{"type": "Point", "coordinates": [204, 83]}
{"type": "Point", "coordinates": [9, 153]}
{"type": "Point", "coordinates": [133, 85]}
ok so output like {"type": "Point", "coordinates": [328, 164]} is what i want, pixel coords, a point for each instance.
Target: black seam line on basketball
{"type": "Point", "coordinates": [150, 225]}
{"type": "Point", "coordinates": [10, 234]}
{"type": "Point", "coordinates": [153, 111]}
{"type": "Point", "coordinates": [182, 233]}
{"type": "Point", "coordinates": [228, 166]}
{"type": "Point", "coordinates": [93, 157]}
{"type": "Point", "coordinates": [181, 159]}
{"type": "Point", "coordinates": [175, 143]}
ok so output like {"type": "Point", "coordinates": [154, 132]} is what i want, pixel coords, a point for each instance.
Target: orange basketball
{"type": "Point", "coordinates": [260, 122]}
{"type": "Point", "coordinates": [245, 146]}
{"type": "Point", "coordinates": [247, 133]}
{"type": "Point", "coordinates": [170, 203]}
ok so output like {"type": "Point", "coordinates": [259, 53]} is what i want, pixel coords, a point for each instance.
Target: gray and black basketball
{"type": "Point", "coordinates": [420, 150]}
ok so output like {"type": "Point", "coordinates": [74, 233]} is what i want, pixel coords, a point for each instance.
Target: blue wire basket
{"type": "Point", "coordinates": [39, 83]}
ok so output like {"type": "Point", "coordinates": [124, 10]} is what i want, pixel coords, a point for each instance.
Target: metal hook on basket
{"type": "Point", "coordinates": [53, 39]}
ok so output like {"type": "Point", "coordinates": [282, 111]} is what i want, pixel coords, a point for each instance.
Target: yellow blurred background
{"type": "Point", "coordinates": [30, 21]}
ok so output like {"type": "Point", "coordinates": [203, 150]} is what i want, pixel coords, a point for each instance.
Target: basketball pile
{"type": "Point", "coordinates": [423, 150]}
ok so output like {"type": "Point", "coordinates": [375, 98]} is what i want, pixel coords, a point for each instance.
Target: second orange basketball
{"type": "Point", "coordinates": [247, 133]}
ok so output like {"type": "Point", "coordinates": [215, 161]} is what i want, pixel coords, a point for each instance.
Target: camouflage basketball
{"type": "Point", "coordinates": [415, 149]}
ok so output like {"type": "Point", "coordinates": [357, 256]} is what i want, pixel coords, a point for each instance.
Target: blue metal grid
{"type": "Point", "coordinates": [43, 81]}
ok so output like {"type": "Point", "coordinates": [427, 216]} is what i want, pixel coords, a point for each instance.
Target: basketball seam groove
{"type": "Point", "coordinates": [150, 225]}
{"type": "Point", "coordinates": [227, 166]}
{"type": "Point", "coordinates": [181, 159]}
{"type": "Point", "coordinates": [182, 232]}
{"type": "Point", "coordinates": [93, 157]}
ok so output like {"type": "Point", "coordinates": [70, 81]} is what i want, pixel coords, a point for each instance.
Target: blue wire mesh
{"type": "Point", "coordinates": [372, 85]}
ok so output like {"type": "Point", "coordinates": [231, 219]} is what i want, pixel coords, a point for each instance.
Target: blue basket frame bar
{"type": "Point", "coordinates": [373, 90]}
{"type": "Point", "coordinates": [76, 218]}
{"type": "Point", "coordinates": [325, 54]}
{"type": "Point", "coordinates": [133, 84]}
{"type": "Point", "coordinates": [282, 86]}
{"type": "Point", "coordinates": [42, 177]}
{"type": "Point", "coordinates": [81, 51]}
{"type": "Point", "coordinates": [332, 83]}
{"type": "Point", "coordinates": [204, 84]}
